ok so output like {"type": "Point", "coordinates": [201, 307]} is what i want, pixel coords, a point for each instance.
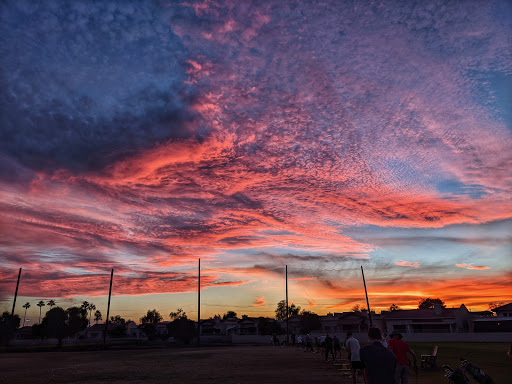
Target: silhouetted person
{"type": "Point", "coordinates": [328, 347]}
{"type": "Point", "coordinates": [379, 362]}
{"type": "Point", "coordinates": [353, 348]}
{"type": "Point", "coordinates": [400, 349]}
{"type": "Point", "coordinates": [337, 345]}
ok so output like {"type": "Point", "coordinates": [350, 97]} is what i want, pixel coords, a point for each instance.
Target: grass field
{"type": "Point", "coordinates": [228, 364]}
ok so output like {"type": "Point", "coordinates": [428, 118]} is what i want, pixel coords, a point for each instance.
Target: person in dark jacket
{"type": "Point", "coordinates": [378, 361]}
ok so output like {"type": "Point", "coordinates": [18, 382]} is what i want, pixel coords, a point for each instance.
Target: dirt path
{"type": "Point", "coordinates": [247, 365]}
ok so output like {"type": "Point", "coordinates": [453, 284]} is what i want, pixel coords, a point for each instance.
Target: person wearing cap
{"type": "Point", "coordinates": [400, 349]}
{"type": "Point", "coordinates": [379, 362]}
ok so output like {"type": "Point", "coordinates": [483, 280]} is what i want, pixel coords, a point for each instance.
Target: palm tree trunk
{"type": "Point", "coordinates": [40, 314]}
{"type": "Point", "coordinates": [25, 315]}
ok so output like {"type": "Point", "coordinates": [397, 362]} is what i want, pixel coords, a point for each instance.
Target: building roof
{"type": "Point", "coordinates": [506, 307]}
{"type": "Point", "coordinates": [423, 314]}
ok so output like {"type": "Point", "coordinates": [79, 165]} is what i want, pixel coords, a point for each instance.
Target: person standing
{"type": "Point", "coordinates": [353, 348]}
{"type": "Point", "coordinates": [337, 346]}
{"type": "Point", "coordinates": [400, 349]}
{"type": "Point", "coordinates": [378, 362]}
{"type": "Point", "coordinates": [328, 348]}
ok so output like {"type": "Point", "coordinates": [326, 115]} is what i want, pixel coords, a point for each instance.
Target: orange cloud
{"type": "Point", "coordinates": [471, 266]}
{"type": "Point", "coordinates": [259, 301]}
{"type": "Point", "coordinates": [412, 264]}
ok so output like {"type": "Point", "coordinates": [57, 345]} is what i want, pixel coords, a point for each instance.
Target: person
{"type": "Point", "coordinates": [328, 347]}
{"type": "Point", "coordinates": [322, 343]}
{"type": "Point", "coordinates": [299, 341]}
{"type": "Point", "coordinates": [309, 345]}
{"type": "Point", "coordinates": [337, 346]}
{"type": "Point", "coordinates": [400, 349]}
{"type": "Point", "coordinates": [378, 362]}
{"type": "Point", "coordinates": [385, 340]}
{"type": "Point", "coordinates": [353, 348]}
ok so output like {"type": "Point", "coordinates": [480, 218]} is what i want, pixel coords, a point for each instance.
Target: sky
{"type": "Point", "coordinates": [321, 135]}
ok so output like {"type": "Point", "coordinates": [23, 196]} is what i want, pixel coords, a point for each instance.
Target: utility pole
{"type": "Point", "coordinates": [16, 293]}
{"type": "Point", "coordinates": [108, 309]}
{"type": "Point", "coordinates": [367, 302]}
{"type": "Point", "coordinates": [199, 304]}
{"type": "Point", "coordinates": [287, 314]}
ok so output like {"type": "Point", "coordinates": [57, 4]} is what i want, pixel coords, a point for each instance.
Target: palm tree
{"type": "Point", "coordinates": [26, 306]}
{"type": "Point", "coordinates": [51, 303]}
{"type": "Point", "coordinates": [85, 305]}
{"type": "Point", "coordinates": [40, 305]}
{"type": "Point", "coordinates": [97, 316]}
{"type": "Point", "coordinates": [91, 307]}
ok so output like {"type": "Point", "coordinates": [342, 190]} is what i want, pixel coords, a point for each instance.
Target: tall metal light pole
{"type": "Point", "coordinates": [287, 314]}
{"type": "Point", "coordinates": [108, 308]}
{"type": "Point", "coordinates": [199, 304]}
{"type": "Point", "coordinates": [367, 302]}
{"type": "Point", "coordinates": [16, 293]}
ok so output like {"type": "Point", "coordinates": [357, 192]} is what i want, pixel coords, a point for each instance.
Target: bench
{"type": "Point", "coordinates": [429, 361]}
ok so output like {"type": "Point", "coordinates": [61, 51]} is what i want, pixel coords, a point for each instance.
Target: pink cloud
{"type": "Point", "coordinates": [472, 267]}
{"type": "Point", "coordinates": [412, 264]}
{"type": "Point", "coordinates": [259, 301]}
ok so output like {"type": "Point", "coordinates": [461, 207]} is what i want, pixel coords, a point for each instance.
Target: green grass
{"type": "Point", "coordinates": [490, 357]}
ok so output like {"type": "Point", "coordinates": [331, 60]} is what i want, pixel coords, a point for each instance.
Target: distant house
{"type": "Point", "coordinates": [502, 322]}
{"type": "Point", "coordinates": [356, 322]}
{"type": "Point", "coordinates": [504, 310]}
{"type": "Point", "coordinates": [437, 320]}
{"type": "Point", "coordinates": [24, 333]}
{"type": "Point", "coordinates": [248, 326]}
{"type": "Point", "coordinates": [96, 331]}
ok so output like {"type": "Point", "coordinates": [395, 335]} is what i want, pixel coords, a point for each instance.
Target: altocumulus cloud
{"type": "Point", "coordinates": [84, 83]}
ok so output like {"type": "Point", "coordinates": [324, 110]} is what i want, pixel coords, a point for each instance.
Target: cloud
{"type": "Point", "coordinates": [412, 264]}
{"type": "Point", "coordinates": [259, 301]}
{"type": "Point", "coordinates": [143, 136]}
{"type": "Point", "coordinates": [471, 266]}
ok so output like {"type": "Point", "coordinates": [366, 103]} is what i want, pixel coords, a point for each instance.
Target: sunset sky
{"type": "Point", "coordinates": [322, 135]}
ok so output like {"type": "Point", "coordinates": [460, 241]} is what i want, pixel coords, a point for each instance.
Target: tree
{"type": "Point", "coordinates": [495, 304]}
{"type": "Point", "coordinates": [356, 308]}
{"type": "Point", "coordinates": [394, 307]}
{"type": "Point", "coordinates": [309, 321]}
{"type": "Point", "coordinates": [269, 327]}
{"type": "Point", "coordinates": [179, 314]}
{"type": "Point", "coordinates": [76, 319]}
{"type": "Point", "coordinates": [149, 322]}
{"type": "Point", "coordinates": [153, 317]}
{"type": "Point", "coordinates": [50, 303]}
{"type": "Point", "coordinates": [229, 315]}
{"type": "Point", "coordinates": [26, 306]}
{"type": "Point", "coordinates": [91, 307]}
{"type": "Point", "coordinates": [8, 325]}
{"type": "Point", "coordinates": [429, 303]}
{"type": "Point", "coordinates": [97, 316]}
{"type": "Point", "coordinates": [281, 310]}
{"type": "Point", "coordinates": [119, 326]}
{"type": "Point", "coordinates": [54, 324]}
{"type": "Point", "coordinates": [40, 305]}
{"type": "Point", "coordinates": [182, 329]}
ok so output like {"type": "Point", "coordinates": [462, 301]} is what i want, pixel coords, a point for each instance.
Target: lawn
{"type": "Point", "coordinates": [226, 364]}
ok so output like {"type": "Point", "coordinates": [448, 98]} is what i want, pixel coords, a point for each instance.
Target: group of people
{"type": "Point", "coordinates": [381, 361]}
